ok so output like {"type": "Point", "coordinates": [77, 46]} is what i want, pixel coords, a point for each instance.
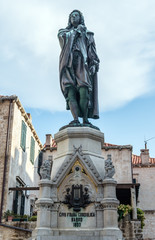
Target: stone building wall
{"type": "Point", "coordinates": [18, 162]}
{"type": "Point", "coordinates": [4, 156]}
{"type": "Point", "coordinates": [121, 158]}
{"type": "Point", "coordinates": [145, 175]}
{"type": "Point", "coordinates": [131, 229]}
{"type": "Point", "coordinates": [13, 234]}
{"type": "Point", "coordinates": [149, 228]}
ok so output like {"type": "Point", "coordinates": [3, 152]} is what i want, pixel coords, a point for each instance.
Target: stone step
{"type": "Point", "coordinates": [16, 238]}
{"type": "Point", "coordinates": [15, 235]}
{"type": "Point", "coordinates": [73, 237]}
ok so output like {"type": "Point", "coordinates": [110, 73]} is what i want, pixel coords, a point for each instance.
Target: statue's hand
{"type": "Point", "coordinates": [92, 70]}
{"type": "Point", "coordinates": [81, 28]}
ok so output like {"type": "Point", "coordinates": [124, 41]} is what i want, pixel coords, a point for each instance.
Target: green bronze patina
{"type": "Point", "coordinates": [79, 65]}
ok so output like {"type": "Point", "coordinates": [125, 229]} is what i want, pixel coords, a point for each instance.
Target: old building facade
{"type": "Point", "coordinates": [134, 180]}
{"type": "Point", "coordinates": [19, 150]}
{"type": "Point", "coordinates": [144, 173]}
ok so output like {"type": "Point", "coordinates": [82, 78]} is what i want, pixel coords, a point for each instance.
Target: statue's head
{"type": "Point", "coordinates": [75, 18]}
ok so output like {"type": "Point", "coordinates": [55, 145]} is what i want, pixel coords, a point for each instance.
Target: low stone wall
{"type": "Point", "coordinates": [7, 233]}
{"type": "Point", "coordinates": [131, 229]}
{"type": "Point", "coordinates": [149, 228]}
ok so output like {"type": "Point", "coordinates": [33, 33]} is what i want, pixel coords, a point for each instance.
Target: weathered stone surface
{"type": "Point", "coordinates": [18, 161]}
{"type": "Point", "coordinates": [145, 175]}
{"type": "Point", "coordinates": [121, 159]}
{"type": "Point", "coordinates": [45, 170]}
{"type": "Point", "coordinates": [91, 141]}
{"type": "Point", "coordinates": [12, 234]}
{"type": "Point", "coordinates": [85, 204]}
{"type": "Point", "coordinates": [109, 167]}
{"type": "Point", "coordinates": [131, 229]}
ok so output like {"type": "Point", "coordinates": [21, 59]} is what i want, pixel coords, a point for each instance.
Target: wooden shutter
{"type": "Point", "coordinates": [15, 203]}
{"type": "Point", "coordinates": [22, 205]}
{"type": "Point", "coordinates": [32, 150]}
{"type": "Point", "coordinates": [23, 136]}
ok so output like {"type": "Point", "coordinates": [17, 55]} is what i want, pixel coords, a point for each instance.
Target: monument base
{"type": "Point", "coordinates": [79, 202]}
{"type": "Point", "coordinates": [86, 234]}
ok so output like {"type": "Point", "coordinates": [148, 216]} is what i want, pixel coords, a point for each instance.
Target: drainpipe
{"type": "Point", "coordinates": [6, 159]}
{"type": "Point", "coordinates": [131, 167]}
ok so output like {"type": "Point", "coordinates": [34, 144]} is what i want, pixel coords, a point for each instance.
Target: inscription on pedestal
{"type": "Point", "coordinates": [76, 218]}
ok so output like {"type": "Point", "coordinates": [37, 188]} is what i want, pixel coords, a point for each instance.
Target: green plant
{"type": "Point", "coordinates": [25, 216]}
{"type": "Point", "coordinates": [140, 216]}
{"type": "Point", "coordinates": [33, 218]}
{"type": "Point", "coordinates": [123, 210]}
{"type": "Point", "coordinates": [16, 215]}
{"type": "Point", "coordinates": [7, 214]}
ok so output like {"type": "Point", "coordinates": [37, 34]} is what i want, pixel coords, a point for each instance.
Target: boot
{"type": "Point", "coordinates": [74, 110]}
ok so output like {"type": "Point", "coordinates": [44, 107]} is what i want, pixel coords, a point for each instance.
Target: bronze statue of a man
{"type": "Point", "coordinates": [79, 65]}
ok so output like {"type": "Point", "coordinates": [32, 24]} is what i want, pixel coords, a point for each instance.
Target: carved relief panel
{"type": "Point", "coordinates": [77, 195]}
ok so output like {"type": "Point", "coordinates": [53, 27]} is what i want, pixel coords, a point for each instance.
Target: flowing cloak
{"type": "Point", "coordinates": [67, 38]}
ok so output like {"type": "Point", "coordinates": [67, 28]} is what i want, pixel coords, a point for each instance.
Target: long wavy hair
{"type": "Point", "coordinates": [81, 19]}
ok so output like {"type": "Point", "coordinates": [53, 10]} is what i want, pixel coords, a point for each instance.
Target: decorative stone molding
{"type": "Point", "coordinates": [109, 182]}
{"type": "Point", "coordinates": [81, 132]}
{"type": "Point", "coordinates": [77, 178]}
{"type": "Point", "coordinates": [70, 160]}
{"type": "Point", "coordinates": [110, 203]}
{"type": "Point", "coordinates": [99, 206]}
{"type": "Point", "coordinates": [45, 207]}
{"type": "Point", "coordinates": [46, 168]}
{"type": "Point", "coordinates": [109, 167]}
{"type": "Point", "coordinates": [55, 207]}
{"type": "Point", "coordinates": [44, 204]}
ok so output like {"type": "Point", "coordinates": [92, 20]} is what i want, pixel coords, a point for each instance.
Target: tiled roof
{"type": "Point", "coordinates": [109, 144]}
{"type": "Point", "coordinates": [152, 160]}
{"type": "Point", "coordinates": [137, 160]}
{"type": "Point", "coordinates": [54, 143]}
{"type": "Point", "coordinates": [105, 145]}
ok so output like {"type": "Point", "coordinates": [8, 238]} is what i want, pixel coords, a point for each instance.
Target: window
{"type": "Point", "coordinates": [23, 136]}
{"type": "Point", "coordinates": [19, 197]}
{"type": "Point", "coordinates": [32, 150]}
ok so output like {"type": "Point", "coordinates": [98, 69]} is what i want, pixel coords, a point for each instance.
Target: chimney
{"type": "Point", "coordinates": [145, 156]}
{"type": "Point", "coordinates": [48, 140]}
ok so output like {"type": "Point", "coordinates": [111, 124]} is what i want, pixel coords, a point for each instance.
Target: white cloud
{"type": "Point", "coordinates": [124, 34]}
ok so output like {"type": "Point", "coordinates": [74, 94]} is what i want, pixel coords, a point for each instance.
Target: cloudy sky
{"type": "Point", "coordinates": [125, 41]}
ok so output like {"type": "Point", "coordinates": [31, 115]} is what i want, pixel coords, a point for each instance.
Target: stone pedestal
{"type": "Point", "coordinates": [78, 202]}
{"type": "Point", "coordinates": [110, 204]}
{"type": "Point", "coordinates": [44, 206]}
